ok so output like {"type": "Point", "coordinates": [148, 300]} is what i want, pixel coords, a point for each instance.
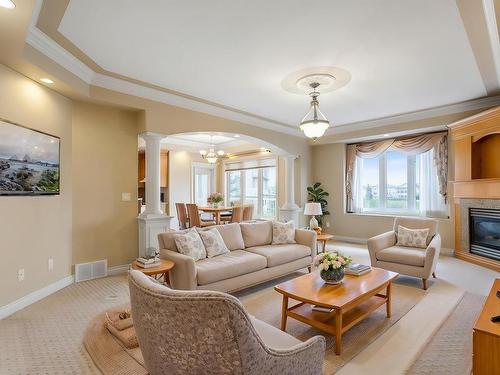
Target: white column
{"type": "Point", "coordinates": [290, 210]}
{"type": "Point", "coordinates": [153, 204]}
{"type": "Point", "coordinates": [152, 221]}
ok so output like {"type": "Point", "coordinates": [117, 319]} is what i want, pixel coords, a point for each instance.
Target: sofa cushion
{"type": "Point", "coordinates": [226, 266]}
{"type": "Point", "coordinates": [214, 244]}
{"type": "Point", "coordinates": [257, 234]}
{"type": "Point", "coordinates": [190, 244]}
{"type": "Point", "coordinates": [281, 254]}
{"type": "Point", "coordinates": [167, 240]}
{"type": "Point", "coordinates": [403, 255]}
{"type": "Point", "coordinates": [283, 233]}
{"type": "Point", "coordinates": [231, 234]}
{"type": "Point", "coordinates": [418, 223]}
{"type": "Point", "coordinates": [412, 237]}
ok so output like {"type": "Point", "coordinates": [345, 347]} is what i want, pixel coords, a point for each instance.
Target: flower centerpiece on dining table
{"type": "Point", "coordinates": [331, 266]}
{"type": "Point", "coordinates": [215, 199]}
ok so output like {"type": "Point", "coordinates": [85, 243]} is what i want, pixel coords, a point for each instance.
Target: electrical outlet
{"type": "Point", "coordinates": [50, 264]}
{"type": "Point", "coordinates": [126, 197]}
{"type": "Point", "coordinates": [20, 274]}
{"type": "Point", "coordinates": [328, 224]}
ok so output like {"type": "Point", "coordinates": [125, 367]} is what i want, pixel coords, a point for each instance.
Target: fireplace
{"type": "Point", "coordinates": [484, 229]}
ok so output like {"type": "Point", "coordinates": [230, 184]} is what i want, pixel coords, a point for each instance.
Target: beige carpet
{"type": "Point", "coordinates": [265, 304]}
{"type": "Point", "coordinates": [450, 351]}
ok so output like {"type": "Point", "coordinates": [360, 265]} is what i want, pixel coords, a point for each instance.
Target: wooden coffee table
{"type": "Point", "coordinates": [352, 300]}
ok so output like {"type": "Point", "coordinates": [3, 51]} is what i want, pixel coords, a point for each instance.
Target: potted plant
{"type": "Point", "coordinates": [316, 194]}
{"type": "Point", "coordinates": [215, 199]}
{"type": "Point", "coordinates": [331, 266]}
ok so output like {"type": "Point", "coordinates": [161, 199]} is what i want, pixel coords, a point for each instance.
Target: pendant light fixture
{"type": "Point", "coordinates": [212, 155]}
{"type": "Point", "coordinates": [314, 124]}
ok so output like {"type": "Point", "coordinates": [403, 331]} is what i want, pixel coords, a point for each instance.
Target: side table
{"type": "Point", "coordinates": [157, 272]}
{"type": "Point", "coordinates": [323, 238]}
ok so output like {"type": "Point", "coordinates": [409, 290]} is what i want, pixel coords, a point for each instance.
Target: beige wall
{"type": "Point", "coordinates": [329, 169]}
{"type": "Point", "coordinates": [104, 166]}
{"type": "Point", "coordinates": [34, 229]}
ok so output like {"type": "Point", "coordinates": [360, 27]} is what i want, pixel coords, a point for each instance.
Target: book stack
{"type": "Point", "coordinates": [148, 263]}
{"type": "Point", "coordinates": [357, 269]}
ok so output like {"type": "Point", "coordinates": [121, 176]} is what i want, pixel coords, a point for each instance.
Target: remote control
{"type": "Point", "coordinates": [495, 319]}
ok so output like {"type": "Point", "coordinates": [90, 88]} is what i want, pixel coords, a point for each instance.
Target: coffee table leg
{"type": "Point", "coordinates": [338, 331]}
{"type": "Point", "coordinates": [388, 302]}
{"type": "Point", "coordinates": [284, 309]}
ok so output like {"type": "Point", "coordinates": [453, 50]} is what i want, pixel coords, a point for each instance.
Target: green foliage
{"type": "Point", "coordinates": [316, 194]}
{"type": "Point", "coordinates": [49, 180]}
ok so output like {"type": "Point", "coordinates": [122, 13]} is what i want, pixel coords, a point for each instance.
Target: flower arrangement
{"type": "Point", "coordinates": [331, 266]}
{"type": "Point", "coordinates": [215, 198]}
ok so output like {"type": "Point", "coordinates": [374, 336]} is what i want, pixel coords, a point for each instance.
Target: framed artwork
{"type": "Point", "coordinates": [29, 161]}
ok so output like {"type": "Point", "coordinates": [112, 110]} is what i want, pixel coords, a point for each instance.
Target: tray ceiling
{"type": "Point", "coordinates": [403, 56]}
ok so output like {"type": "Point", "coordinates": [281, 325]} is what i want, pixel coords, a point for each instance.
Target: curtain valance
{"type": "Point", "coordinates": [408, 145]}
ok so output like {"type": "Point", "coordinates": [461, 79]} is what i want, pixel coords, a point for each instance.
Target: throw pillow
{"type": "Point", "coordinates": [283, 233]}
{"type": "Point", "coordinates": [214, 244]}
{"type": "Point", "coordinates": [190, 244]}
{"type": "Point", "coordinates": [412, 237]}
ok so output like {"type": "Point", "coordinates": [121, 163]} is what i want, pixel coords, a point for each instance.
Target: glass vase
{"type": "Point", "coordinates": [332, 276]}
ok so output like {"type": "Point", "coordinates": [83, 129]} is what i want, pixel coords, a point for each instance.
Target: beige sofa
{"type": "Point", "coordinates": [252, 258]}
{"type": "Point", "coordinates": [384, 252]}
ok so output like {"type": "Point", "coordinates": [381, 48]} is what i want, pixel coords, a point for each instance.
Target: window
{"type": "Point", "coordinates": [397, 183]}
{"type": "Point", "coordinates": [253, 182]}
{"type": "Point", "coordinates": [203, 182]}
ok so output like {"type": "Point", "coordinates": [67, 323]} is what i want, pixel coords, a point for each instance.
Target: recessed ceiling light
{"type": "Point", "coordinates": [236, 136]}
{"type": "Point", "coordinates": [9, 4]}
{"type": "Point", "coordinates": [45, 80]}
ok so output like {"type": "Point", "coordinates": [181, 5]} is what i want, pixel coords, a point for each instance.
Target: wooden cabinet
{"type": "Point", "coordinates": [486, 337]}
{"type": "Point", "coordinates": [163, 168]}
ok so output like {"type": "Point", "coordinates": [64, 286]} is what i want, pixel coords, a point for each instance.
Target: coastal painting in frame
{"type": "Point", "coordinates": [29, 161]}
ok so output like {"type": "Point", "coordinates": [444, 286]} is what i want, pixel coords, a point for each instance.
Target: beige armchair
{"type": "Point", "coordinates": [203, 332]}
{"type": "Point", "coordinates": [412, 261]}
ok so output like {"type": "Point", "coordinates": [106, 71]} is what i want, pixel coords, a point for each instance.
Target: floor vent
{"type": "Point", "coordinates": [92, 270]}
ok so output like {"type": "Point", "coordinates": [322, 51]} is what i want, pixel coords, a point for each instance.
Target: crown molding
{"type": "Point", "coordinates": [469, 105]}
{"type": "Point", "coordinates": [43, 43]}
{"type": "Point", "coordinates": [130, 88]}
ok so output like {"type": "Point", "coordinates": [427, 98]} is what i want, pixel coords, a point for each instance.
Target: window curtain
{"type": "Point", "coordinates": [409, 145]}
{"type": "Point", "coordinates": [431, 204]}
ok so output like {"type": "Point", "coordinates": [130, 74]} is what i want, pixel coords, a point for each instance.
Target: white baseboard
{"type": "Point", "coordinates": [447, 251]}
{"type": "Point", "coordinates": [350, 239]}
{"type": "Point", "coordinates": [116, 270]}
{"type": "Point", "coordinates": [35, 296]}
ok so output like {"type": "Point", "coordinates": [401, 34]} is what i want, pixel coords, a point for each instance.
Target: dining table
{"type": "Point", "coordinates": [215, 211]}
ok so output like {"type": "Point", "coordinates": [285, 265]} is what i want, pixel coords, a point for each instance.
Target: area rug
{"type": "Point", "coordinates": [265, 304]}
{"type": "Point", "coordinates": [449, 352]}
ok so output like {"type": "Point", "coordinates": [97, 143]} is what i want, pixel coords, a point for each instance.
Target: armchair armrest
{"type": "Point", "coordinates": [183, 275]}
{"type": "Point", "coordinates": [432, 256]}
{"type": "Point", "coordinates": [307, 238]}
{"type": "Point", "coordinates": [380, 242]}
{"type": "Point", "coordinates": [305, 358]}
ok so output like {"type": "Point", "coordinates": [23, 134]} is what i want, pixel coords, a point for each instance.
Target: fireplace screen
{"type": "Point", "coordinates": [485, 232]}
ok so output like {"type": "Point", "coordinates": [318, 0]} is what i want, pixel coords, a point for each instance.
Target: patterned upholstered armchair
{"type": "Point", "coordinates": [203, 332]}
{"type": "Point", "coordinates": [412, 261]}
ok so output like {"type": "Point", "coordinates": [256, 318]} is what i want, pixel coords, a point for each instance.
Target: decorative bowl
{"type": "Point", "coordinates": [332, 276]}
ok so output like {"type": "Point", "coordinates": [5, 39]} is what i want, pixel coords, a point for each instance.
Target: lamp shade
{"type": "Point", "coordinates": [313, 209]}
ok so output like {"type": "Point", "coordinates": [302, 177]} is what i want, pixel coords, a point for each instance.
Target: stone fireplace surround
{"type": "Point", "coordinates": [465, 205]}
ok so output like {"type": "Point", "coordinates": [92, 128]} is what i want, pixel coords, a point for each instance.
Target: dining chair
{"type": "Point", "coordinates": [248, 213]}
{"type": "Point", "coordinates": [194, 217]}
{"type": "Point", "coordinates": [182, 215]}
{"type": "Point", "coordinates": [237, 215]}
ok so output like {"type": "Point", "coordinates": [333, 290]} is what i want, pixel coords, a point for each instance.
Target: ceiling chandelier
{"type": "Point", "coordinates": [212, 155]}
{"type": "Point", "coordinates": [314, 124]}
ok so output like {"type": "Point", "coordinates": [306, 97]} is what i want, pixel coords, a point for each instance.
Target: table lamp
{"type": "Point", "coordinates": [313, 209]}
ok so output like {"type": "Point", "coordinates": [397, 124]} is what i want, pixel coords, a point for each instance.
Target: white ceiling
{"type": "Point", "coordinates": [197, 141]}
{"type": "Point", "coordinates": [403, 55]}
